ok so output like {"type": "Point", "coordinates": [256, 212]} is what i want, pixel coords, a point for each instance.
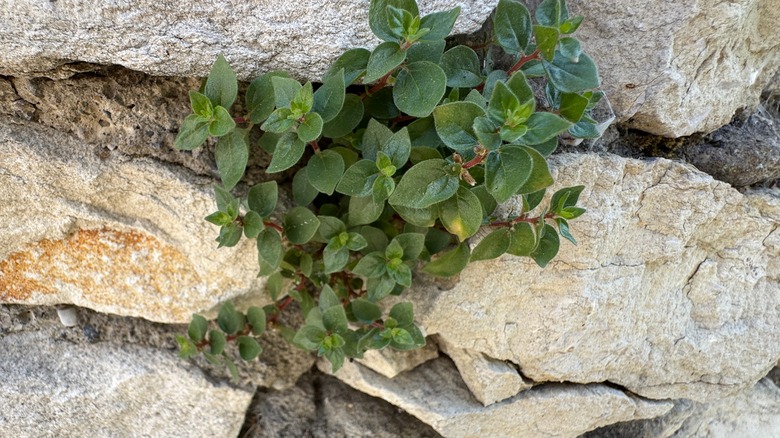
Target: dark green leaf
{"type": "Point", "coordinates": [329, 98]}
{"type": "Point", "coordinates": [309, 337]}
{"type": "Point", "coordinates": [363, 210]}
{"type": "Point", "coordinates": [450, 263]}
{"type": "Point", "coordinates": [461, 215]}
{"type": "Point", "coordinates": [221, 85]}
{"type": "Point", "coordinates": [563, 228]}
{"type": "Point", "coordinates": [566, 197]}
{"type": "Point", "coordinates": [419, 87]}
{"type": "Point", "coordinates": [192, 133]}
{"type": "Point", "coordinates": [422, 132]}
{"type": "Point", "coordinates": [487, 132]}
{"type": "Point", "coordinates": [379, 287]}
{"type": "Point", "coordinates": [232, 155]}
{"type": "Point", "coordinates": [197, 328]}
{"type": "Point", "coordinates": [229, 319]}
{"type": "Point", "coordinates": [365, 311]}
{"type": "Point", "coordinates": [306, 264]}
{"type": "Point", "coordinates": [378, 20]}
{"type": "Point", "coordinates": [548, 247]}
{"type": "Point", "coordinates": [325, 170]}
{"type": "Point", "coordinates": [540, 175]}
{"type": "Point", "coordinates": [353, 62]}
{"type": "Point", "coordinates": [532, 200]}
{"type": "Point", "coordinates": [551, 13]}
{"type": "Point", "coordinates": [269, 248]}
{"type": "Point", "coordinates": [248, 347]}
{"type": "Point", "coordinates": [358, 179]}
{"type": "Point", "coordinates": [263, 197]}
{"type": "Point", "coordinates": [439, 23]}
{"type": "Point", "coordinates": [285, 90]}
{"type": "Point", "coordinates": [572, 76]}
{"type": "Point", "coordinates": [229, 235]}
{"type": "Point", "coordinates": [226, 202]}
{"type": "Point", "coordinates": [300, 224]}
{"type": "Point", "coordinates": [492, 246]}
{"type": "Point", "coordinates": [253, 224]}
{"type": "Point", "coordinates": [371, 265]}
{"type": "Point", "coordinates": [425, 184]}
{"type": "Point", "coordinates": [260, 100]}
{"type": "Point", "coordinates": [384, 59]}
{"type": "Point", "coordinates": [380, 105]}
{"type": "Point", "coordinates": [546, 148]}
{"type": "Point", "coordinates": [573, 106]}
{"type": "Point", "coordinates": [461, 65]}
{"type": "Point", "coordinates": [422, 217]}
{"type": "Point", "coordinates": [201, 105]}
{"type": "Point", "coordinates": [486, 200]}
{"type": "Point", "coordinates": [454, 124]}
{"type": "Point", "coordinates": [256, 317]}
{"type": "Point", "coordinates": [330, 227]}
{"type": "Point", "coordinates": [303, 192]}
{"type": "Point", "coordinates": [403, 313]}
{"type": "Point", "coordinates": [524, 239]}
{"type": "Point", "coordinates": [492, 79]}
{"type": "Point", "coordinates": [374, 137]}
{"type": "Point", "coordinates": [475, 96]}
{"type": "Point", "coordinates": [542, 127]}
{"type": "Point", "coordinates": [422, 153]}
{"type": "Point", "coordinates": [334, 256]}
{"type": "Point", "coordinates": [376, 239]}
{"type": "Point", "coordinates": [506, 171]}
{"type": "Point", "coordinates": [426, 51]}
{"type": "Point", "coordinates": [512, 26]}
{"type": "Point", "coordinates": [328, 298]}
{"type": "Point", "coordinates": [398, 147]}
{"type": "Point", "coordinates": [412, 245]}
{"type": "Point", "coordinates": [310, 128]}
{"type": "Point", "coordinates": [288, 151]}
{"type": "Point", "coordinates": [281, 120]}
{"type": "Point", "coordinates": [348, 118]}
{"type": "Point", "coordinates": [334, 319]}
{"type": "Point", "coordinates": [217, 342]}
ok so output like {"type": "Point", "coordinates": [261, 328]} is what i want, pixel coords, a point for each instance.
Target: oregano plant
{"type": "Point", "coordinates": [401, 154]}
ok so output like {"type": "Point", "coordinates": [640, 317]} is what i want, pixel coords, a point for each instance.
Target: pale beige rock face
{"type": "Point", "coordinates": [121, 235]}
{"type": "Point", "coordinates": [390, 363]}
{"type": "Point", "coordinates": [672, 291]}
{"type": "Point", "coordinates": [182, 38]}
{"type": "Point", "coordinates": [676, 68]}
{"type": "Point", "coordinates": [434, 393]}
{"type": "Point", "coordinates": [55, 388]}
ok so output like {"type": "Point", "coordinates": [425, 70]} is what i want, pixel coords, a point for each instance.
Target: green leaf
{"type": "Point", "coordinates": [486, 200]}
{"type": "Point", "coordinates": [358, 179]}
{"type": "Point", "coordinates": [573, 106]}
{"type": "Point", "coordinates": [419, 87]}
{"type": "Point", "coordinates": [421, 217]}
{"type": "Point", "coordinates": [217, 342]}
{"type": "Point", "coordinates": [548, 247]}
{"type": "Point", "coordinates": [422, 153]}
{"type": "Point", "coordinates": [384, 59]}
{"type": "Point", "coordinates": [376, 239]}
{"type": "Point", "coordinates": [285, 90]}
{"type": "Point", "coordinates": [303, 101]}
{"type": "Point", "coordinates": [197, 328]}
{"type": "Point", "coordinates": [353, 62]}
{"type": "Point", "coordinates": [505, 108]}
{"type": "Point", "coordinates": [492, 79]}
{"type": "Point", "coordinates": [229, 319]}
{"type": "Point", "coordinates": [253, 224]}
{"type": "Point", "coordinates": [524, 239]}
{"type": "Point", "coordinates": [383, 187]}
{"type": "Point", "coordinates": [262, 198]}
{"type": "Point", "coordinates": [454, 124]}
{"type": "Point", "coordinates": [231, 368]}
{"type": "Point", "coordinates": [328, 298]}
{"type": "Point", "coordinates": [398, 147]}
{"type": "Point", "coordinates": [223, 123]}
{"type": "Point", "coordinates": [226, 202]}
{"type": "Point", "coordinates": [512, 26]}
{"type": "Point", "coordinates": [334, 256]}
{"type": "Point", "coordinates": [542, 127]}
{"type": "Point", "coordinates": [256, 317]}
{"type": "Point", "coordinates": [300, 224]}
{"type": "Point", "coordinates": [565, 197]}
{"type": "Point", "coordinates": [425, 184]}
{"type": "Point", "coordinates": [461, 215]}
{"type": "Point", "coordinates": [546, 40]}
{"type": "Point", "coordinates": [309, 337]}
{"type": "Point", "coordinates": [520, 87]}
{"type": "Point", "coordinates": [380, 105]}
{"type": "Point", "coordinates": [330, 227]}
{"type": "Point", "coordinates": [229, 235]}
{"type": "Point", "coordinates": [303, 192]}
{"type": "Point", "coordinates": [356, 242]}
{"type": "Point", "coordinates": [400, 273]}
{"type": "Point", "coordinates": [572, 212]}
{"type": "Point", "coordinates": [570, 48]}
{"type": "Point", "coordinates": [310, 128]}
{"type": "Point", "coordinates": [379, 287]}
{"type": "Point", "coordinates": [403, 313]}
{"type": "Point", "coordinates": [488, 132]}
{"type": "Point", "coordinates": [426, 51]}
{"type": "Point", "coordinates": [288, 151]}
{"type": "Point", "coordinates": [365, 311]}
{"type": "Point", "coordinates": [540, 175]}
{"type": "Point", "coordinates": [450, 263]}
{"type": "Point", "coordinates": [348, 118]}
{"type": "Point", "coordinates": [378, 20]}
{"type": "Point", "coordinates": [336, 358]}
{"type": "Point", "coordinates": [412, 245]}
{"type": "Point", "coordinates": [325, 170]}
{"type": "Point", "coordinates": [219, 218]}
{"type": "Point", "coordinates": [563, 228]}
{"type": "Point", "coordinates": [269, 248]}
{"type": "Point", "coordinates": [374, 137]}
{"type": "Point", "coordinates": [232, 155]}
{"type": "Point", "coordinates": [546, 148]}
{"type": "Point", "coordinates": [506, 171]}
{"type": "Point", "coordinates": [492, 246]}
{"type": "Point", "coordinates": [570, 26]}
{"type": "Point", "coordinates": [335, 319]}
{"type": "Point", "coordinates": [248, 347]}
{"type": "Point", "coordinates": [572, 76]}
{"type": "Point", "coordinates": [552, 12]}
{"type": "Point", "coordinates": [439, 23]}
{"type": "Point", "coordinates": [221, 85]}
{"type": "Point", "coordinates": [401, 22]}
{"type": "Point", "coordinates": [192, 133]}
{"type": "Point", "coordinates": [371, 265]}
{"type": "Point", "coordinates": [187, 348]}
{"type": "Point", "coordinates": [363, 210]}
{"type": "Point", "coordinates": [260, 99]}
{"type": "Point", "coordinates": [201, 105]}
{"type": "Point", "coordinates": [461, 65]}
{"type": "Point", "coordinates": [281, 120]}
{"type": "Point", "coordinates": [329, 98]}
{"type": "Point", "coordinates": [532, 200]}
{"type": "Point", "coordinates": [274, 285]}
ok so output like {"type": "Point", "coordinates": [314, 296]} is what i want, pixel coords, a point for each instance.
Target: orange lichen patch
{"type": "Point", "coordinates": [107, 269]}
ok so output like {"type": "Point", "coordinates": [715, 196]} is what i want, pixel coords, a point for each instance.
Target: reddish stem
{"type": "Point", "coordinates": [523, 60]}
{"type": "Point", "coordinates": [522, 218]}
{"type": "Point", "coordinates": [315, 146]}
{"type": "Point", "coordinates": [474, 161]}
{"type": "Point", "coordinates": [378, 86]}
{"type": "Point", "coordinates": [240, 120]}
{"type": "Point", "coordinates": [274, 226]}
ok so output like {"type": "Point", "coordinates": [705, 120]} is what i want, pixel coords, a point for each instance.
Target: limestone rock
{"type": "Point", "coordinates": [389, 362]}
{"type": "Point", "coordinates": [671, 291]}
{"type": "Point", "coordinates": [55, 388]}
{"type": "Point", "coordinates": [676, 68]}
{"type": "Point", "coordinates": [120, 235]}
{"type": "Point", "coordinates": [489, 380]}
{"type": "Point", "coordinates": [435, 394]}
{"type": "Point", "coordinates": [183, 38]}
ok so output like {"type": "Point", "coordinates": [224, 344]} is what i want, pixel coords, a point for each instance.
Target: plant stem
{"type": "Point", "coordinates": [523, 60]}
{"type": "Point", "coordinates": [274, 226]}
{"type": "Point", "coordinates": [522, 218]}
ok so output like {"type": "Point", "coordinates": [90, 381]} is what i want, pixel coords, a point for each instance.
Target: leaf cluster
{"type": "Point", "coordinates": [401, 154]}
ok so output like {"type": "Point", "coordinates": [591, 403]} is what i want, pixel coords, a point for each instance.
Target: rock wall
{"type": "Point", "coordinates": [663, 320]}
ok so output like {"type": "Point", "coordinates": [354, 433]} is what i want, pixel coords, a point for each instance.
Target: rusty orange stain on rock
{"type": "Point", "coordinates": [127, 269]}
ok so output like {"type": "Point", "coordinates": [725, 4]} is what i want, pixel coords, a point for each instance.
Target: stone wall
{"type": "Point", "coordinates": [663, 320]}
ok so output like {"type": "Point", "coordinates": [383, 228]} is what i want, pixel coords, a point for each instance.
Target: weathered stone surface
{"type": "Point", "coordinates": [321, 406]}
{"type": "Point", "coordinates": [389, 362]}
{"type": "Point", "coordinates": [672, 291]}
{"type": "Point", "coordinates": [675, 68]}
{"type": "Point", "coordinates": [489, 380]}
{"type": "Point", "coordinates": [55, 388]}
{"type": "Point", "coordinates": [120, 235]}
{"type": "Point", "coordinates": [182, 38]}
{"type": "Point", "coordinates": [435, 394]}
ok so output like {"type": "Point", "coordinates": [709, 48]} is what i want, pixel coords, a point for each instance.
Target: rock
{"type": "Point", "coordinates": [435, 394]}
{"type": "Point", "coordinates": [389, 362]}
{"type": "Point", "coordinates": [676, 68]}
{"type": "Point", "coordinates": [69, 316]}
{"type": "Point", "coordinates": [183, 38]}
{"type": "Point", "coordinates": [489, 380]}
{"type": "Point", "coordinates": [321, 406]}
{"type": "Point", "coordinates": [119, 235]}
{"type": "Point", "coordinates": [56, 388]}
{"type": "Point", "coordinates": [671, 291]}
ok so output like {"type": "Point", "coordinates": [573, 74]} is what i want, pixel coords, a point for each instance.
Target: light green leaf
{"type": "Point", "coordinates": [450, 263]}
{"type": "Point", "coordinates": [303, 100]}
{"type": "Point", "coordinates": [426, 183]}
{"type": "Point", "coordinates": [461, 215]}
{"type": "Point", "coordinates": [221, 85]}
{"type": "Point", "coordinates": [419, 87]}
{"type": "Point", "coordinates": [329, 98]}
{"type": "Point", "coordinates": [201, 105]}
{"type": "Point", "coordinates": [280, 120]}
{"type": "Point", "coordinates": [461, 65]}
{"type": "Point", "coordinates": [371, 265]}
{"type": "Point", "coordinates": [192, 133]}
{"type": "Point", "coordinates": [382, 189]}
{"type": "Point", "coordinates": [335, 319]}
{"type": "Point", "coordinates": [398, 147]}
{"type": "Point", "coordinates": [454, 124]}
{"type": "Point", "coordinates": [232, 155]}
{"type": "Point", "coordinates": [310, 128]}
{"type": "Point", "coordinates": [573, 106]}
{"type": "Point", "coordinates": [546, 40]}
{"type": "Point", "coordinates": [524, 239]}
{"type": "Point", "coordinates": [300, 224]}
{"type": "Point", "coordinates": [288, 151]}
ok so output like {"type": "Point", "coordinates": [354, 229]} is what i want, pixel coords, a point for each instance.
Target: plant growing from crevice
{"type": "Point", "coordinates": [402, 154]}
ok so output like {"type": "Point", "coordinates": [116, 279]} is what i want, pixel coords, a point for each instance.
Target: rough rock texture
{"type": "Point", "coordinates": [389, 362]}
{"type": "Point", "coordinates": [182, 38]}
{"type": "Point", "coordinates": [671, 292]}
{"type": "Point", "coordinates": [754, 412]}
{"type": "Point", "coordinates": [119, 235]}
{"type": "Point", "coordinates": [489, 380]}
{"type": "Point", "coordinates": [434, 393]}
{"type": "Point", "coordinates": [321, 406]}
{"type": "Point", "coordinates": [675, 68]}
{"type": "Point", "coordinates": [102, 390]}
